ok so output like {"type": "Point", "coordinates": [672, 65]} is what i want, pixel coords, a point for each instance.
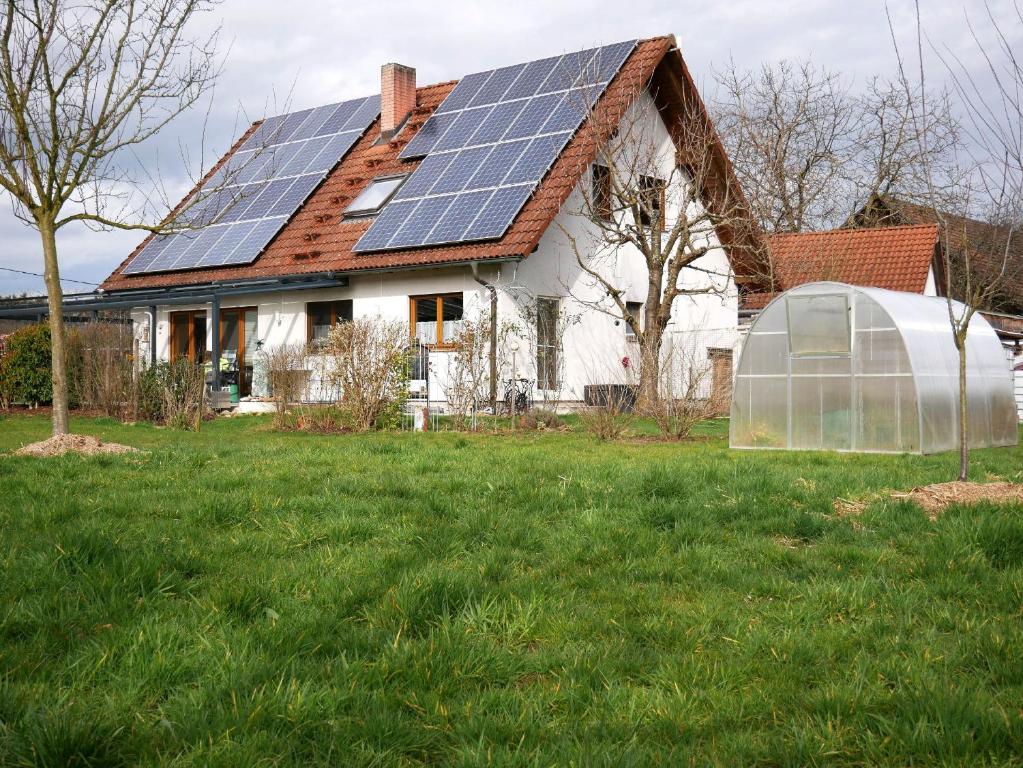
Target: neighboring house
{"type": "Point", "coordinates": [897, 257]}
{"type": "Point", "coordinates": [986, 244]}
{"type": "Point", "coordinates": [362, 237]}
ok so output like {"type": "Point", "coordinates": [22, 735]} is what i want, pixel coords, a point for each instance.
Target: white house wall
{"type": "Point", "coordinates": [594, 345]}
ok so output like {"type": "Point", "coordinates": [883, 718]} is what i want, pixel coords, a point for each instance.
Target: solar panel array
{"type": "Point", "coordinates": [244, 205]}
{"type": "Point", "coordinates": [487, 147]}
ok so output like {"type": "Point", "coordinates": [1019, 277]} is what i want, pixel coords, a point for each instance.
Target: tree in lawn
{"type": "Point", "coordinates": [976, 262]}
{"type": "Point", "coordinates": [668, 201]}
{"type": "Point", "coordinates": [82, 85]}
{"type": "Point", "coordinates": [810, 151]}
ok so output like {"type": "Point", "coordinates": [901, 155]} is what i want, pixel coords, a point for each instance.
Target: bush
{"type": "Point", "coordinates": [145, 397]}
{"type": "Point", "coordinates": [173, 394]}
{"type": "Point", "coordinates": [286, 377]}
{"type": "Point", "coordinates": [682, 403]}
{"type": "Point", "coordinates": [25, 371]}
{"type": "Point", "coordinates": [613, 417]}
{"type": "Point", "coordinates": [183, 386]}
{"type": "Point", "coordinates": [541, 418]}
{"type": "Point", "coordinates": [367, 362]}
{"type": "Point", "coordinates": [101, 368]}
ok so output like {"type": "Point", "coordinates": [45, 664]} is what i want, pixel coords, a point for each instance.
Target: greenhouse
{"type": "Point", "coordinates": [829, 366]}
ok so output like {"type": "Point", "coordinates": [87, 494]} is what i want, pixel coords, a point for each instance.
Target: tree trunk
{"type": "Point", "coordinates": [964, 434]}
{"type": "Point", "coordinates": [649, 370]}
{"type": "Point", "coordinates": [55, 300]}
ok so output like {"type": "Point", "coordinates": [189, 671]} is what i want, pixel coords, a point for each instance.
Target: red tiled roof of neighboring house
{"type": "Point", "coordinates": [896, 258]}
{"type": "Point", "coordinates": [988, 245]}
{"type": "Point", "coordinates": [317, 239]}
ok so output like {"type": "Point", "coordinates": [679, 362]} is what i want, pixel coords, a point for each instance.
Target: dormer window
{"type": "Point", "coordinates": [372, 198]}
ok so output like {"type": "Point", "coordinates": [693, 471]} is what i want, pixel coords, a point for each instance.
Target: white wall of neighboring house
{"type": "Point", "coordinates": [595, 341]}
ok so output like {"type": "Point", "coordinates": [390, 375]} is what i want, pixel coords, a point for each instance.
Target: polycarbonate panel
{"type": "Point", "coordinates": [265, 181]}
{"type": "Point", "coordinates": [819, 325]}
{"type": "Point", "coordinates": [823, 417]}
{"type": "Point", "coordinates": [894, 389]}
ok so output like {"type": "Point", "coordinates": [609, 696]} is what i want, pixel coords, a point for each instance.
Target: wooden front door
{"type": "Point", "coordinates": [238, 330]}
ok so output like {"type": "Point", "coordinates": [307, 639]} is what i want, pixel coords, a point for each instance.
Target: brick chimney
{"type": "Point", "coordinates": [397, 97]}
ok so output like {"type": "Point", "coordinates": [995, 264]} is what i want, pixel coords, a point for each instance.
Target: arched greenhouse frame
{"type": "Point", "coordinates": [829, 366]}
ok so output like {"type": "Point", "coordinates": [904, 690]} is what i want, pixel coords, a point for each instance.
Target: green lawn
{"type": "Point", "coordinates": [240, 597]}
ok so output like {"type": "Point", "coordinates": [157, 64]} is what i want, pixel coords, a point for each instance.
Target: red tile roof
{"type": "Point", "coordinates": [985, 243]}
{"type": "Point", "coordinates": [896, 258]}
{"type": "Point", "coordinates": [317, 239]}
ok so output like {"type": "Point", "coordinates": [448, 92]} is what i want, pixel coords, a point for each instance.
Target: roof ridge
{"type": "Point", "coordinates": [852, 230]}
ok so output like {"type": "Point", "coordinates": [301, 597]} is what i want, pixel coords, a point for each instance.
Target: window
{"type": "Point", "coordinates": [600, 193]}
{"type": "Point", "coordinates": [436, 320]}
{"type": "Point", "coordinates": [548, 313]}
{"type": "Point", "coordinates": [634, 308]}
{"type": "Point", "coordinates": [321, 316]}
{"type": "Point", "coordinates": [651, 201]}
{"type": "Point", "coordinates": [818, 325]}
{"type": "Point", "coordinates": [373, 197]}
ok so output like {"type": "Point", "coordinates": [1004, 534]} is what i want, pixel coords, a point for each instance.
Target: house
{"type": "Point", "coordinates": [369, 235]}
{"type": "Point", "coordinates": [897, 257]}
{"type": "Point", "coordinates": [986, 243]}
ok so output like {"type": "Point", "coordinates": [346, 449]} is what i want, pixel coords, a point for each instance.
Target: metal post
{"type": "Point", "coordinates": [152, 335]}
{"type": "Point", "coordinates": [514, 390]}
{"type": "Point", "coordinates": [215, 351]}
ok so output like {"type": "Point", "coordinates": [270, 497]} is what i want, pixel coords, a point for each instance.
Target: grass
{"type": "Point", "coordinates": [240, 597]}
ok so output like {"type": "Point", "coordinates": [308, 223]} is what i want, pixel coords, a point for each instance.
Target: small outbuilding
{"type": "Point", "coordinates": [830, 366]}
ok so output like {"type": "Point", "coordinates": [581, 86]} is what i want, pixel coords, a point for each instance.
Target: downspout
{"type": "Point", "coordinates": [493, 333]}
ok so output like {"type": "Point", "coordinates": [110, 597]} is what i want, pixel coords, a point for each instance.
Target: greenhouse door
{"type": "Point", "coordinates": [821, 395]}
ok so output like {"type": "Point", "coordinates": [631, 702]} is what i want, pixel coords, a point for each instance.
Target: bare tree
{"type": "Point", "coordinates": [810, 151]}
{"type": "Point", "coordinates": [82, 85]}
{"type": "Point", "coordinates": [976, 261]}
{"type": "Point", "coordinates": [663, 205]}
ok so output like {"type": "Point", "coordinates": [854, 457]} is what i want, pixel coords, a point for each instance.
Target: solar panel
{"type": "Point", "coordinates": [487, 147]}
{"type": "Point", "coordinates": [259, 188]}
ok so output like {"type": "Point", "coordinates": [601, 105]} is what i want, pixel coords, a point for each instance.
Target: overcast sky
{"type": "Point", "coordinates": [318, 51]}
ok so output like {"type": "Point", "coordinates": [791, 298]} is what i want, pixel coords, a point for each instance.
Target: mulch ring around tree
{"type": "Point", "coordinates": [936, 497]}
{"type": "Point", "coordinates": [83, 445]}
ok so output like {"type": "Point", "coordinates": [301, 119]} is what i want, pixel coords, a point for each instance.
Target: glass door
{"type": "Point", "coordinates": [188, 336]}
{"type": "Point", "coordinates": [238, 343]}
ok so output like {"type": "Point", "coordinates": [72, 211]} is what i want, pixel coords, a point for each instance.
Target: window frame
{"type": "Point", "coordinates": [366, 213]}
{"type": "Point", "coordinates": [549, 348]}
{"type": "Point", "coordinates": [651, 184]}
{"type": "Point", "coordinates": [600, 192]}
{"type": "Point", "coordinates": [630, 335]}
{"type": "Point", "coordinates": [333, 303]}
{"type": "Point", "coordinates": [440, 344]}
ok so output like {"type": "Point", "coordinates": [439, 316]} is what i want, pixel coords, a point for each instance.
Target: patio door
{"type": "Point", "coordinates": [238, 343]}
{"type": "Point", "coordinates": [188, 336]}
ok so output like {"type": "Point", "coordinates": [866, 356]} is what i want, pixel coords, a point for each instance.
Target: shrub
{"type": "Point", "coordinates": [183, 386]}
{"type": "Point", "coordinates": [469, 371]}
{"type": "Point", "coordinates": [286, 377]}
{"type": "Point", "coordinates": [25, 372]}
{"type": "Point", "coordinates": [681, 404]}
{"type": "Point", "coordinates": [367, 362]}
{"type": "Point", "coordinates": [101, 368]}
{"type": "Point", "coordinates": [541, 418]}
{"type": "Point", "coordinates": [145, 396]}
{"type": "Point", "coordinates": [613, 417]}
{"type": "Point", "coordinates": [327, 420]}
